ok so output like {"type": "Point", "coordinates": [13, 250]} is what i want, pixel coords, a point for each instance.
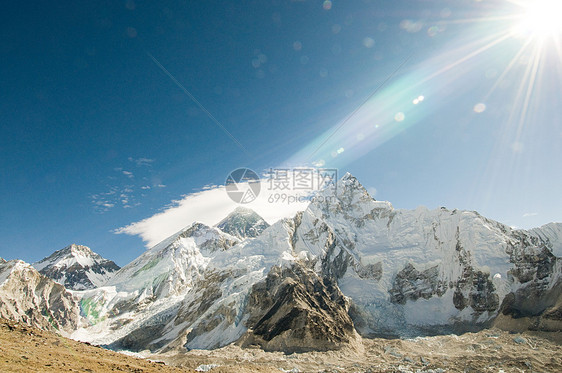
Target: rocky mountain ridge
{"type": "Point", "coordinates": [29, 297]}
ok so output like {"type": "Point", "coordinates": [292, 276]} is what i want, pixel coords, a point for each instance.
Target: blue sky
{"type": "Point", "coordinates": [95, 136]}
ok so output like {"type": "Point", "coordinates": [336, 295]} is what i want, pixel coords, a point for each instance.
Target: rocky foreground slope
{"type": "Point", "coordinates": [348, 266]}
{"type": "Point", "coordinates": [27, 349]}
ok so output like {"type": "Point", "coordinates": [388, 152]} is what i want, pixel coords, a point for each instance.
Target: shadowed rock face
{"type": "Point", "coordinates": [410, 284]}
{"type": "Point", "coordinates": [295, 310]}
{"type": "Point", "coordinates": [537, 264]}
{"type": "Point", "coordinates": [370, 271]}
{"type": "Point", "coordinates": [538, 295]}
{"type": "Point", "coordinates": [243, 223]}
{"type": "Point", "coordinates": [475, 289]}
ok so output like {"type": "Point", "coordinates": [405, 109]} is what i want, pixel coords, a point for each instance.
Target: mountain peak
{"type": "Point", "coordinates": [243, 211]}
{"type": "Point", "coordinates": [15, 264]}
{"type": "Point", "coordinates": [348, 176]}
{"type": "Point", "coordinates": [350, 182]}
{"type": "Point", "coordinates": [71, 252]}
{"type": "Point", "coordinates": [345, 185]}
{"type": "Point", "coordinates": [77, 267]}
{"type": "Point", "coordinates": [197, 226]}
{"type": "Point", "coordinates": [76, 250]}
{"type": "Point", "coordinates": [348, 198]}
{"type": "Point", "coordinates": [243, 223]}
{"type": "Point", "coordinates": [207, 237]}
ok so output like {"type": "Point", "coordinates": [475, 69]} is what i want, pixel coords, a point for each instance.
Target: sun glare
{"type": "Point", "coordinates": [540, 18]}
{"type": "Point", "coordinates": [515, 46]}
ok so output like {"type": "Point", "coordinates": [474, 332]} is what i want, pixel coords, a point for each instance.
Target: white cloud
{"type": "Point", "coordinates": [128, 174]}
{"type": "Point", "coordinates": [529, 214]}
{"type": "Point", "coordinates": [208, 206]}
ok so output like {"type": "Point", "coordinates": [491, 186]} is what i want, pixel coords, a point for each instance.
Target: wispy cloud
{"type": "Point", "coordinates": [101, 205]}
{"type": "Point", "coordinates": [126, 188]}
{"type": "Point", "coordinates": [140, 162]}
{"type": "Point", "coordinates": [129, 174]}
{"type": "Point", "coordinates": [529, 214]}
{"type": "Point", "coordinates": [116, 196]}
{"type": "Point", "coordinates": [208, 206]}
{"type": "Point", "coordinates": [104, 202]}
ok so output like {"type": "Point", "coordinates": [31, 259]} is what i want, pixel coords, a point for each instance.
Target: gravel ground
{"type": "Point", "coordinates": [26, 349]}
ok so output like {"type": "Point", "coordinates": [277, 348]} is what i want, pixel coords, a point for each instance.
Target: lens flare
{"type": "Point", "coordinates": [505, 67]}
{"type": "Point", "coordinates": [479, 108]}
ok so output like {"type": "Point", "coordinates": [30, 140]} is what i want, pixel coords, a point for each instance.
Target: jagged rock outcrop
{"type": "Point", "coordinates": [410, 284]}
{"type": "Point", "coordinates": [31, 298]}
{"type": "Point", "coordinates": [295, 310]}
{"type": "Point", "coordinates": [243, 223]}
{"type": "Point", "coordinates": [77, 267]}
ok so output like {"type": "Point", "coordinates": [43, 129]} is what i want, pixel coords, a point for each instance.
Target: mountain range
{"type": "Point", "coordinates": [347, 267]}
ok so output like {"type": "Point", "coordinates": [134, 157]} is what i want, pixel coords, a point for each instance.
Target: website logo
{"type": "Point", "coordinates": [243, 185]}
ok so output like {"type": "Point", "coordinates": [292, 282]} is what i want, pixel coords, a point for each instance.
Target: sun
{"type": "Point", "coordinates": [540, 18]}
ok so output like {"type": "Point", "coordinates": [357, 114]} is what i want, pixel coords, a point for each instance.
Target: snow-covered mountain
{"type": "Point", "coordinates": [171, 266]}
{"type": "Point", "coordinates": [346, 266]}
{"type": "Point", "coordinates": [394, 272]}
{"type": "Point", "coordinates": [243, 223]}
{"type": "Point", "coordinates": [420, 271]}
{"type": "Point", "coordinates": [29, 297]}
{"type": "Point", "coordinates": [152, 285]}
{"type": "Point", "coordinates": [212, 306]}
{"type": "Point", "coordinates": [77, 267]}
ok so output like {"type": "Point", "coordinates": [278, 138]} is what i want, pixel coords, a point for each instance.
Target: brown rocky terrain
{"type": "Point", "coordinates": [27, 349]}
{"type": "Point", "coordinates": [486, 351]}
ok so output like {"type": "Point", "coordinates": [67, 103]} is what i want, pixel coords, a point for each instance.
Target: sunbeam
{"type": "Point", "coordinates": [490, 40]}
